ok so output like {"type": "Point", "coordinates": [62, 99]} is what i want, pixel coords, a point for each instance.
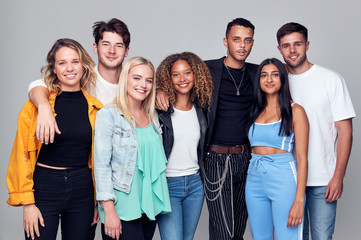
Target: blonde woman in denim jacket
{"type": "Point", "coordinates": [129, 160]}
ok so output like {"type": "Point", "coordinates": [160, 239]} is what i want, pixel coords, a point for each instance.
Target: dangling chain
{"type": "Point", "coordinates": [221, 181]}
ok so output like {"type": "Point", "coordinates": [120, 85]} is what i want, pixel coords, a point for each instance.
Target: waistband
{"type": "Point", "coordinates": [275, 158]}
{"type": "Point", "coordinates": [238, 149]}
{"type": "Point", "coordinates": [260, 162]}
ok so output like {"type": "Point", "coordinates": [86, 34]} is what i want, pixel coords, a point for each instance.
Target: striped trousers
{"type": "Point", "coordinates": [224, 183]}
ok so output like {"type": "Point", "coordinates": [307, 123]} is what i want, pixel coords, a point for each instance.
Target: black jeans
{"type": "Point", "coordinates": [138, 229]}
{"type": "Point", "coordinates": [65, 195]}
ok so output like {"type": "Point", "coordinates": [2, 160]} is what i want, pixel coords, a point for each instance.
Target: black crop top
{"type": "Point", "coordinates": [72, 147]}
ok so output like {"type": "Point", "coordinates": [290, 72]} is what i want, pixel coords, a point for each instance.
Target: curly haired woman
{"type": "Point", "coordinates": [186, 81]}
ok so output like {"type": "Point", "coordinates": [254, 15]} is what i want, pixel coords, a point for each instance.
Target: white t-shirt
{"type": "Point", "coordinates": [325, 98]}
{"type": "Point", "coordinates": [183, 159]}
{"type": "Point", "coordinates": [104, 91]}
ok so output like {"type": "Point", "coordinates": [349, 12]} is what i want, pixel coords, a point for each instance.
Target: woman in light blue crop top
{"type": "Point", "coordinates": [129, 160]}
{"type": "Point", "coordinates": [275, 187]}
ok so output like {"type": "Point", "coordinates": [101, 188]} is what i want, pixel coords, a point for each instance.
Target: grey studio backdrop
{"type": "Point", "coordinates": [159, 28]}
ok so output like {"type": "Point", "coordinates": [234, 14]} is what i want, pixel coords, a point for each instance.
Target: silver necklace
{"type": "Point", "coordinates": [234, 81]}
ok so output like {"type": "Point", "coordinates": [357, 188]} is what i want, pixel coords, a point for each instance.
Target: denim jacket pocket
{"type": "Point", "coordinates": [121, 137]}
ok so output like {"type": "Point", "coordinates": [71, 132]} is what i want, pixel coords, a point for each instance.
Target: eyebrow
{"type": "Point", "coordinates": [60, 60]}
{"type": "Point", "coordinates": [238, 37]}
{"type": "Point", "coordinates": [187, 69]}
{"type": "Point", "coordinates": [104, 41]}
{"type": "Point", "coordinates": [271, 72]}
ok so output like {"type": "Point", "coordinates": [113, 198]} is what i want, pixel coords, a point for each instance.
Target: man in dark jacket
{"type": "Point", "coordinates": [228, 151]}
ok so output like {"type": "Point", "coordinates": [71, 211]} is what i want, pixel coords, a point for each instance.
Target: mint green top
{"type": "Point", "coordinates": [149, 189]}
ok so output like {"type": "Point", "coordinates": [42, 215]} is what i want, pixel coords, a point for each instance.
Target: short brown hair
{"type": "Point", "coordinates": [114, 25]}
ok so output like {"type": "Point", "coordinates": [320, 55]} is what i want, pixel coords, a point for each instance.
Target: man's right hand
{"type": "Point", "coordinates": [161, 100]}
{"type": "Point", "coordinates": [46, 124]}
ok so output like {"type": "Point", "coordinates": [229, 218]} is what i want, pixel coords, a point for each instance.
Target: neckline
{"type": "Point", "coordinates": [144, 127]}
{"type": "Point", "coordinates": [71, 94]}
{"type": "Point", "coordinates": [268, 123]}
{"type": "Point", "coordinates": [178, 110]}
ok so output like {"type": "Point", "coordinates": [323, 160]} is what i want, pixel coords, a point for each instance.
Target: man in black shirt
{"type": "Point", "coordinates": [228, 155]}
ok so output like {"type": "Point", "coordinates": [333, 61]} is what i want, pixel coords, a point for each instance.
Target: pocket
{"type": "Point", "coordinates": [121, 137]}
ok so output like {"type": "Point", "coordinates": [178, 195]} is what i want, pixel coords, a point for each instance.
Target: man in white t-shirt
{"type": "Point", "coordinates": [324, 95]}
{"type": "Point", "coordinates": [111, 44]}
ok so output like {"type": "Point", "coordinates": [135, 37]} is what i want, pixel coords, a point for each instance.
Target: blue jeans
{"type": "Point", "coordinates": [186, 195]}
{"type": "Point", "coordinates": [320, 215]}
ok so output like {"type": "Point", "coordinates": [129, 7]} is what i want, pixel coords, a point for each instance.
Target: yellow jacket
{"type": "Point", "coordinates": [26, 149]}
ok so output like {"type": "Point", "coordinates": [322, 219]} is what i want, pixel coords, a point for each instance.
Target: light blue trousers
{"type": "Point", "coordinates": [270, 192]}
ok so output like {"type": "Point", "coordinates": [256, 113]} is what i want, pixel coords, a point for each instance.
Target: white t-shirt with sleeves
{"type": "Point", "coordinates": [104, 91]}
{"type": "Point", "coordinates": [323, 94]}
{"type": "Point", "coordinates": [183, 159]}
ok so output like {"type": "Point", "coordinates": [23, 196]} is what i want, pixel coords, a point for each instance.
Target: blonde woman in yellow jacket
{"type": "Point", "coordinates": [56, 179]}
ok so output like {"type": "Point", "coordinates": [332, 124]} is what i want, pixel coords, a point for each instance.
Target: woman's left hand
{"type": "Point", "coordinates": [96, 217]}
{"type": "Point", "coordinates": [295, 215]}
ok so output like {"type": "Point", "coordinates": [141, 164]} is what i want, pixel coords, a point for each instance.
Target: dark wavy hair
{"type": "Point", "coordinates": [284, 98]}
{"type": "Point", "coordinates": [114, 25]}
{"type": "Point", "coordinates": [203, 86]}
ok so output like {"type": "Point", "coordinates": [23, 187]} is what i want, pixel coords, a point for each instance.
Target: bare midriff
{"type": "Point", "coordinates": [52, 167]}
{"type": "Point", "coordinates": [267, 150]}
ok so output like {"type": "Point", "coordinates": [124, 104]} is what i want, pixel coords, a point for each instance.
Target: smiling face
{"type": "Point", "coordinates": [238, 42]}
{"type": "Point", "coordinates": [68, 69]}
{"type": "Point", "coordinates": [270, 81]}
{"type": "Point", "coordinates": [139, 83]}
{"type": "Point", "coordinates": [111, 50]}
{"type": "Point", "coordinates": [182, 77]}
{"type": "Point", "coordinates": [293, 48]}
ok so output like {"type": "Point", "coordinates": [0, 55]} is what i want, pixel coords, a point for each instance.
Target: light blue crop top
{"type": "Point", "coordinates": [266, 135]}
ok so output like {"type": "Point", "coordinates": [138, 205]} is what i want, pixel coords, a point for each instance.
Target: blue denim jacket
{"type": "Point", "coordinates": [115, 152]}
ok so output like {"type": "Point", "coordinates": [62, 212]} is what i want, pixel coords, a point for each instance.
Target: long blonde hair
{"type": "Point", "coordinates": [47, 71]}
{"type": "Point", "coordinates": [122, 101]}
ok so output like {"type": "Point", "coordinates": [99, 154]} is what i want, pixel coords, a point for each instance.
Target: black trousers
{"type": "Point", "coordinates": [227, 212]}
{"type": "Point", "coordinates": [66, 196]}
{"type": "Point", "coordinates": [138, 229]}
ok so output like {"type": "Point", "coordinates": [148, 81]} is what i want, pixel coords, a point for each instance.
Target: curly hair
{"type": "Point", "coordinates": [203, 86]}
{"type": "Point", "coordinates": [51, 79]}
